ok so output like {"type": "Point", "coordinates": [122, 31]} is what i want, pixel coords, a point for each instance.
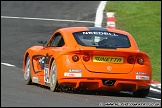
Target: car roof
{"type": "Point", "coordinates": [77, 29]}
{"type": "Point", "coordinates": [70, 30]}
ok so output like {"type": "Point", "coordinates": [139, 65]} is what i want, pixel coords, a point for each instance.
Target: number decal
{"type": "Point", "coordinates": [46, 74]}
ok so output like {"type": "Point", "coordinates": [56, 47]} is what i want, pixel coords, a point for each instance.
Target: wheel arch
{"type": "Point", "coordinates": [25, 58]}
{"type": "Point", "coordinates": [50, 63]}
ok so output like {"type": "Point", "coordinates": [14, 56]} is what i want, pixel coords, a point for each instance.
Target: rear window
{"type": "Point", "coordinates": [102, 39]}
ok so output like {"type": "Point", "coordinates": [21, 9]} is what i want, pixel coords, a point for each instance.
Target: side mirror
{"type": "Point", "coordinates": [42, 42]}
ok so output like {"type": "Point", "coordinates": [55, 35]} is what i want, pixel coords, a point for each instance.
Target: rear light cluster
{"type": "Point", "coordinates": [131, 60]}
{"type": "Point", "coordinates": [75, 58]}
{"type": "Point", "coordinates": [140, 60]}
{"type": "Point", "coordinates": [85, 57]}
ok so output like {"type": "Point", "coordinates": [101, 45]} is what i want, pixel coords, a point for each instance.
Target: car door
{"type": "Point", "coordinates": [45, 55]}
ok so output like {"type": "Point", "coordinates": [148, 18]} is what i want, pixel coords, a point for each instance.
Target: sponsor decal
{"type": "Point", "coordinates": [46, 73]}
{"type": "Point", "coordinates": [73, 74]}
{"type": "Point", "coordinates": [142, 73]}
{"type": "Point", "coordinates": [35, 79]}
{"type": "Point", "coordinates": [74, 70]}
{"type": "Point", "coordinates": [99, 33]}
{"type": "Point", "coordinates": [108, 59]}
{"type": "Point", "coordinates": [42, 61]}
{"type": "Point", "coordinates": [142, 77]}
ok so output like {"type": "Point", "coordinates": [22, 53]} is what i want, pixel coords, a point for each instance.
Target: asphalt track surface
{"type": "Point", "coordinates": [19, 34]}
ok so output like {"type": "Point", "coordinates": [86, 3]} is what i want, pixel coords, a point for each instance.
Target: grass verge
{"type": "Point", "coordinates": [142, 19]}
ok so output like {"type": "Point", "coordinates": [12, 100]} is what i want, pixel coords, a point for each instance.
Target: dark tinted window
{"type": "Point", "coordinates": [102, 39]}
{"type": "Point", "coordinates": [57, 41]}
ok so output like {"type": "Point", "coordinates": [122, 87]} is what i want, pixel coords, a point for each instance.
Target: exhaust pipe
{"type": "Point", "coordinates": [108, 82]}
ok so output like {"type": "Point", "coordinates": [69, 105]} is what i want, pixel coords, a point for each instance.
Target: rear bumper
{"type": "Point", "coordinates": [82, 78]}
{"type": "Point", "coordinates": [98, 84]}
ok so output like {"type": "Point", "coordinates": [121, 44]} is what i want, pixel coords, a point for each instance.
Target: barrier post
{"type": "Point", "coordinates": [110, 20]}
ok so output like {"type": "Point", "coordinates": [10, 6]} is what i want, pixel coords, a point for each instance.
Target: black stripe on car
{"type": "Point", "coordinates": [97, 29]}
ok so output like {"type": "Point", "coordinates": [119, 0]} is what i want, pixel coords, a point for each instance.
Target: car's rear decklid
{"type": "Point", "coordinates": [108, 61]}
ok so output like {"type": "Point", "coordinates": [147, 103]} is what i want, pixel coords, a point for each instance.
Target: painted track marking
{"type": "Point", "coordinates": [46, 19]}
{"type": "Point", "coordinates": [7, 64]}
{"type": "Point", "coordinates": [99, 14]}
{"type": "Point", "coordinates": [97, 22]}
{"type": "Point", "coordinates": [153, 98]}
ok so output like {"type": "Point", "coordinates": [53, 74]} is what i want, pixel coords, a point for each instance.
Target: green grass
{"type": "Point", "coordinates": [142, 19]}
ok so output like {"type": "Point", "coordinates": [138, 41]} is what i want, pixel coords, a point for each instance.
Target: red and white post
{"type": "Point", "coordinates": [110, 20]}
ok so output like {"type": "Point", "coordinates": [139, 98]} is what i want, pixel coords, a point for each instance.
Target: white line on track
{"type": "Point", "coordinates": [156, 85]}
{"type": "Point", "coordinates": [97, 22]}
{"type": "Point", "coordinates": [7, 64]}
{"type": "Point", "coordinates": [153, 98]}
{"type": "Point", "coordinates": [146, 97]}
{"type": "Point", "coordinates": [99, 14]}
{"type": "Point", "coordinates": [28, 18]}
{"type": "Point", "coordinates": [156, 90]}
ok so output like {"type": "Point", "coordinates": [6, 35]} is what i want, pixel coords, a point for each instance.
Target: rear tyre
{"type": "Point", "coordinates": [141, 93]}
{"type": "Point", "coordinates": [53, 77]}
{"type": "Point", "coordinates": [27, 73]}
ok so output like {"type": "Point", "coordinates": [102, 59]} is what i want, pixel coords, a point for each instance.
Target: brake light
{"type": "Point", "coordinates": [75, 58]}
{"type": "Point", "coordinates": [140, 60]}
{"type": "Point", "coordinates": [86, 58]}
{"type": "Point", "coordinates": [130, 59]}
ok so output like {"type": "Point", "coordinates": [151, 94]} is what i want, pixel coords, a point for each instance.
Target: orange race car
{"type": "Point", "coordinates": [89, 58]}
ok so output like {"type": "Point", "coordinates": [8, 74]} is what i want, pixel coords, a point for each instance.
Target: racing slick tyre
{"type": "Point", "coordinates": [141, 93]}
{"type": "Point", "coordinates": [53, 77]}
{"type": "Point", "coordinates": [27, 73]}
